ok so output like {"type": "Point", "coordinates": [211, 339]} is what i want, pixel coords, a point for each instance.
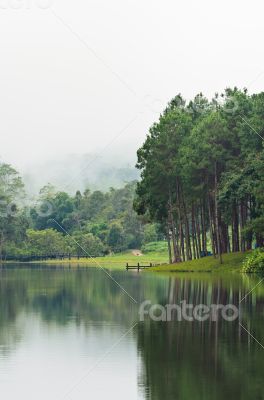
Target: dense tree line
{"type": "Point", "coordinates": [202, 174]}
{"type": "Point", "coordinates": [108, 216]}
{"type": "Point", "coordinates": [202, 181]}
{"type": "Point", "coordinates": [89, 223]}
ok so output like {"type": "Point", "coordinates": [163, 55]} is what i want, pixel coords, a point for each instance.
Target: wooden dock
{"type": "Point", "coordinates": [138, 266]}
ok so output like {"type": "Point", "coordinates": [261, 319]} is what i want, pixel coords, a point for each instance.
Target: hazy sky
{"type": "Point", "coordinates": [77, 76]}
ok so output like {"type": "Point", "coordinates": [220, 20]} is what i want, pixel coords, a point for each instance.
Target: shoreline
{"type": "Point", "coordinates": [117, 261]}
{"type": "Point", "coordinates": [232, 262]}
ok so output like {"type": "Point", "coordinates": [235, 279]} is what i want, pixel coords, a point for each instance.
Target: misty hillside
{"type": "Point", "coordinates": [78, 172]}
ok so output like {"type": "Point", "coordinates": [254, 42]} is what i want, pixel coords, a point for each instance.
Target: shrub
{"type": "Point", "coordinates": [150, 234]}
{"type": "Point", "coordinates": [47, 241]}
{"type": "Point", "coordinates": [87, 244]}
{"type": "Point", "coordinates": [16, 250]}
{"type": "Point", "coordinates": [155, 247]}
{"type": "Point", "coordinates": [254, 263]}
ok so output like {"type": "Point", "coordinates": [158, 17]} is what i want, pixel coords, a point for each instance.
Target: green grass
{"type": "Point", "coordinates": [116, 261]}
{"type": "Point", "coordinates": [232, 262]}
{"type": "Point", "coordinates": [155, 247]}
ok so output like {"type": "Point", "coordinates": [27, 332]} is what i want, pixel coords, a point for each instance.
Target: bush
{"type": "Point", "coordinates": [87, 244]}
{"type": "Point", "coordinates": [150, 234]}
{"type": "Point", "coordinates": [16, 250]}
{"type": "Point", "coordinates": [254, 263]}
{"type": "Point", "coordinates": [47, 241]}
{"type": "Point", "coordinates": [155, 247]}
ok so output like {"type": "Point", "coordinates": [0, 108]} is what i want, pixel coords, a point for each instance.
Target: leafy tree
{"type": "Point", "coordinates": [116, 237]}
{"type": "Point", "coordinates": [87, 245]}
{"type": "Point", "coordinates": [202, 174]}
{"type": "Point", "coordinates": [150, 233]}
{"type": "Point", "coordinates": [46, 242]}
{"type": "Point", "coordinates": [11, 194]}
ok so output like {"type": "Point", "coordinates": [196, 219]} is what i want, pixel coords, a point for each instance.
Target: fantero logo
{"type": "Point", "coordinates": [187, 312]}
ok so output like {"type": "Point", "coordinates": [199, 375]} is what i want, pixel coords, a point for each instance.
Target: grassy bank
{"type": "Point", "coordinates": [232, 262]}
{"type": "Point", "coordinates": [116, 261]}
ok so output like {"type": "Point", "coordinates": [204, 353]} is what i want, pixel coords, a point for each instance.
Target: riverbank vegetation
{"type": "Point", "coordinates": [254, 263]}
{"type": "Point", "coordinates": [57, 223]}
{"type": "Point", "coordinates": [202, 175]}
{"type": "Point", "coordinates": [116, 261]}
{"type": "Point", "coordinates": [201, 192]}
{"type": "Point", "coordinates": [231, 262]}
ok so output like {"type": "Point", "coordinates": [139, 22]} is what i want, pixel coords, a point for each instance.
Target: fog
{"type": "Point", "coordinates": [78, 172]}
{"type": "Point", "coordinates": [87, 78]}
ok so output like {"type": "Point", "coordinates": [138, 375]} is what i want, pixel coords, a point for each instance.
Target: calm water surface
{"type": "Point", "coordinates": [73, 334]}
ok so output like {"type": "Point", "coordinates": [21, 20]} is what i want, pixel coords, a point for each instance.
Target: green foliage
{"type": "Point", "coordinates": [115, 237]}
{"type": "Point", "coordinates": [100, 221]}
{"type": "Point", "coordinates": [52, 206]}
{"type": "Point", "coordinates": [254, 263]}
{"type": "Point", "coordinates": [47, 241]}
{"type": "Point", "coordinates": [202, 169]}
{"type": "Point", "coordinates": [150, 233]}
{"type": "Point", "coordinates": [202, 165]}
{"type": "Point", "coordinates": [156, 247]}
{"type": "Point", "coordinates": [232, 262]}
{"type": "Point", "coordinates": [87, 245]}
{"type": "Point", "coordinates": [11, 216]}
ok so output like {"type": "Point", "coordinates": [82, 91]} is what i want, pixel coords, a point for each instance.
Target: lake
{"type": "Point", "coordinates": [76, 334]}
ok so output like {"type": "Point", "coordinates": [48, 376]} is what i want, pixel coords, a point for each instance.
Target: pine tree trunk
{"type": "Point", "coordinates": [249, 235]}
{"type": "Point", "coordinates": [194, 234]}
{"type": "Point", "coordinates": [203, 225]}
{"type": "Point", "coordinates": [181, 235]}
{"type": "Point", "coordinates": [197, 223]}
{"type": "Point", "coordinates": [235, 229]}
{"type": "Point", "coordinates": [169, 244]}
{"type": "Point", "coordinates": [187, 228]}
{"type": "Point", "coordinates": [176, 252]}
{"type": "Point", "coordinates": [242, 225]}
{"type": "Point", "coordinates": [182, 242]}
{"type": "Point", "coordinates": [212, 233]}
{"type": "Point", "coordinates": [217, 218]}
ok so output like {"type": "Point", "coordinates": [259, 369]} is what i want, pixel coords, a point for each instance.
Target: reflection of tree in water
{"type": "Point", "coordinates": [203, 360]}
{"type": "Point", "coordinates": [179, 360]}
{"type": "Point", "coordinates": [87, 296]}
{"type": "Point", "coordinates": [65, 296]}
{"type": "Point", "coordinates": [58, 295]}
{"type": "Point", "coordinates": [13, 299]}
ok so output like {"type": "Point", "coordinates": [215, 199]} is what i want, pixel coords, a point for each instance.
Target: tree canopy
{"type": "Point", "coordinates": [202, 174]}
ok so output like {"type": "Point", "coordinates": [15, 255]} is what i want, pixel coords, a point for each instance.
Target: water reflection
{"type": "Point", "coordinates": [205, 360]}
{"type": "Point", "coordinates": [56, 323]}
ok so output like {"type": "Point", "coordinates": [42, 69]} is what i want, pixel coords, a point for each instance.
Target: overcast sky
{"type": "Point", "coordinates": [91, 75]}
